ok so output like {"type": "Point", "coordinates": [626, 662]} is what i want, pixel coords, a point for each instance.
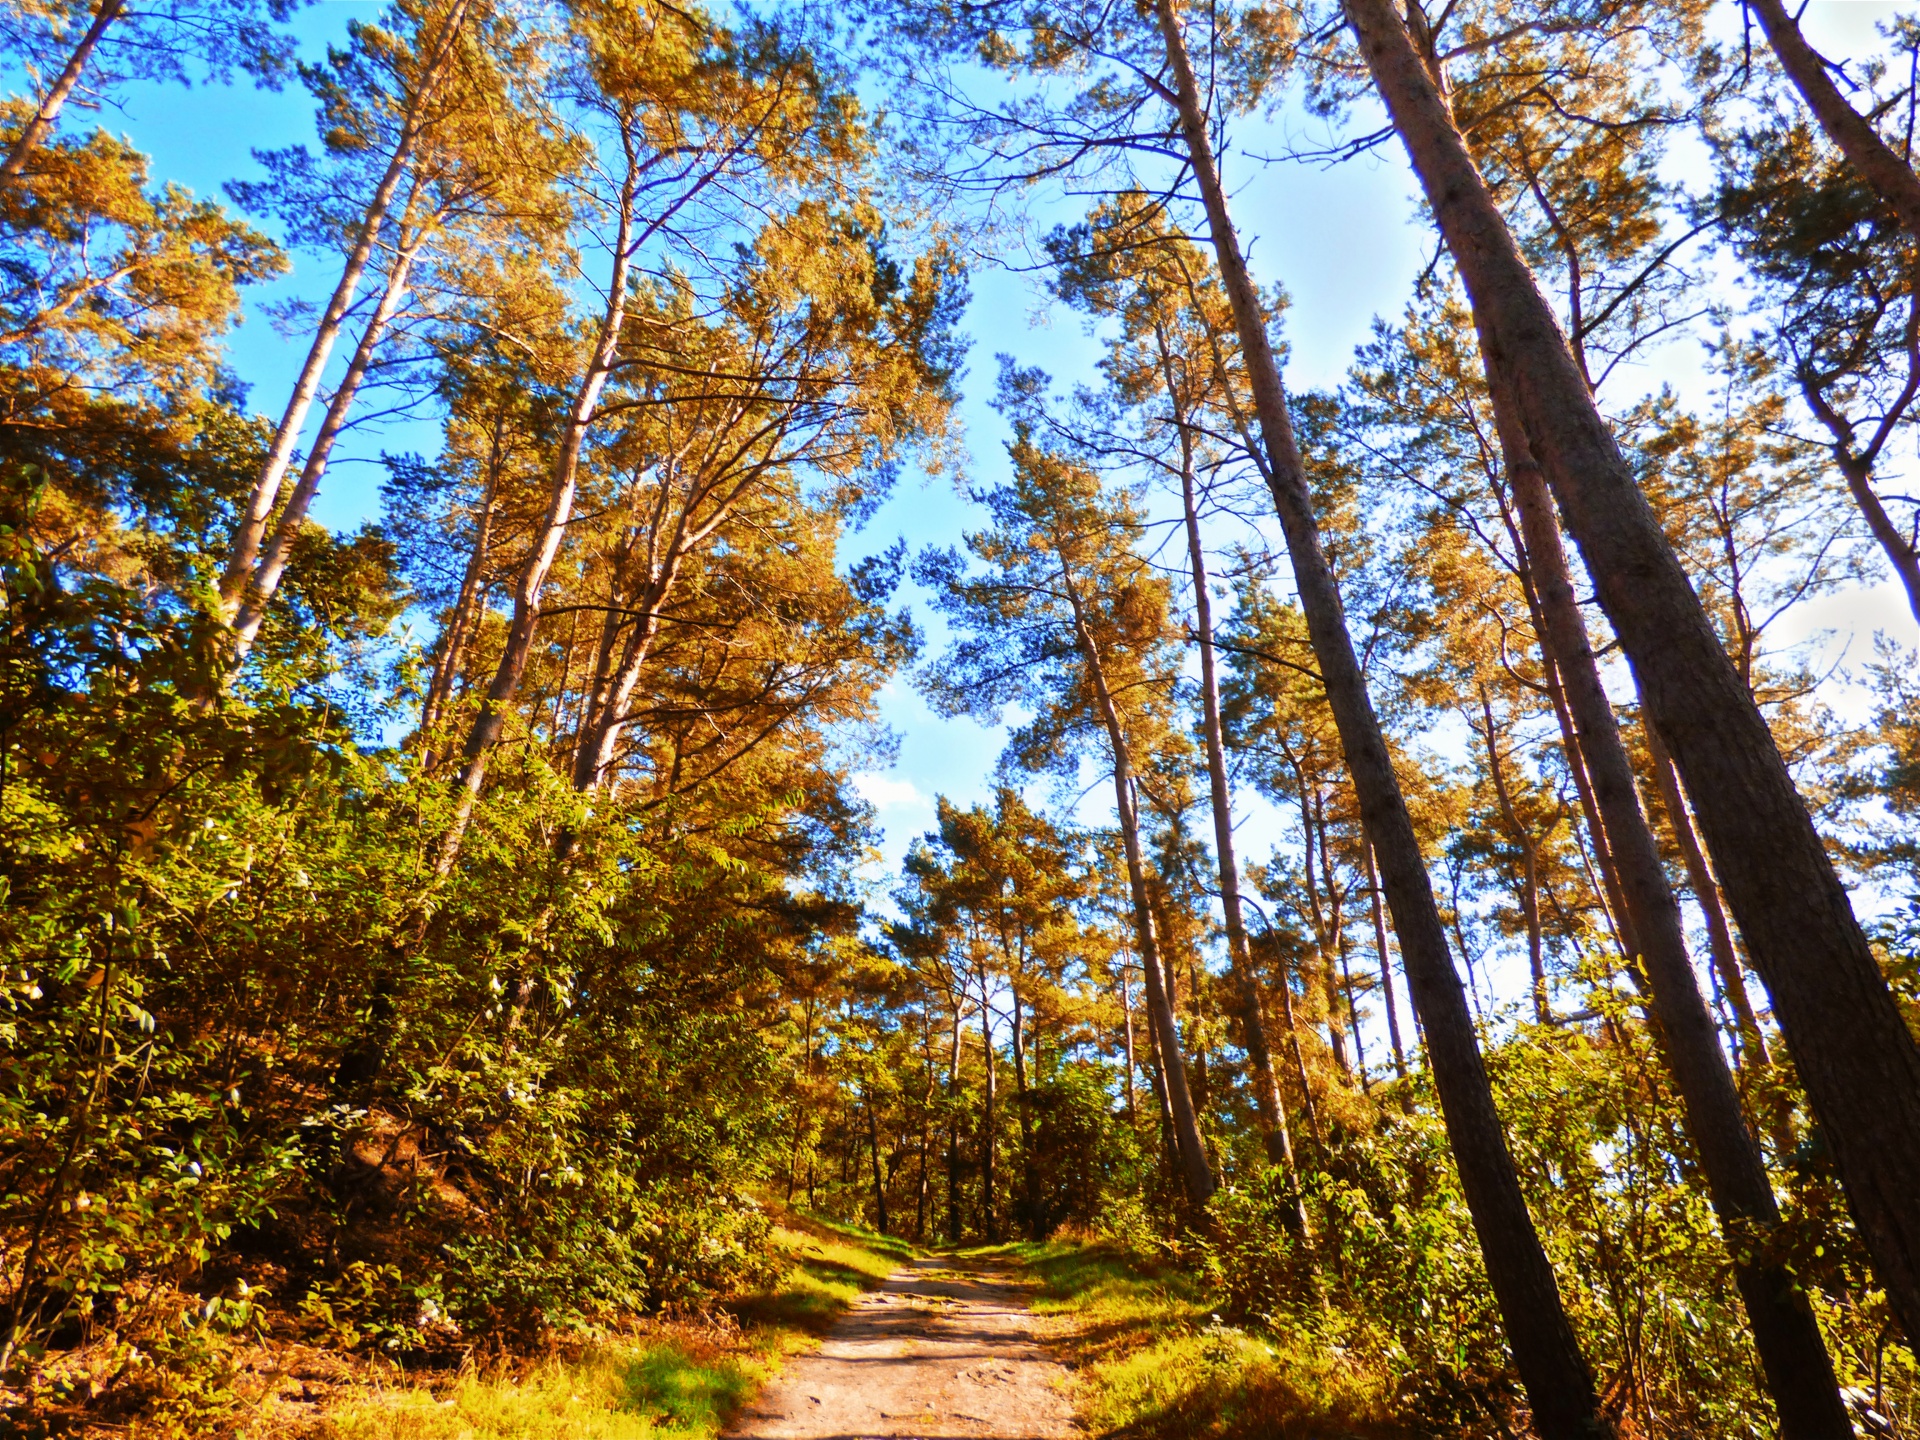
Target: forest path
{"type": "Point", "coordinates": [943, 1350]}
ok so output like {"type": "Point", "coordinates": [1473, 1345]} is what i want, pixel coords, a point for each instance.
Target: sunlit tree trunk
{"type": "Point", "coordinates": [265, 497]}
{"type": "Point", "coordinates": [47, 115]}
{"type": "Point", "coordinates": [1196, 1176]}
{"type": "Point", "coordinates": [1558, 1383]}
{"type": "Point", "coordinates": [490, 723]}
{"type": "Point", "coordinates": [1853, 1052]}
{"type": "Point", "coordinates": [1253, 1029]}
{"type": "Point", "coordinates": [1793, 1355]}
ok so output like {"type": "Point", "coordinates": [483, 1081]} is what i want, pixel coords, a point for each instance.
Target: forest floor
{"type": "Point", "coordinates": [947, 1348]}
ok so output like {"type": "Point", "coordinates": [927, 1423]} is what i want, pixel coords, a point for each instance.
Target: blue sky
{"type": "Point", "coordinates": [1346, 241]}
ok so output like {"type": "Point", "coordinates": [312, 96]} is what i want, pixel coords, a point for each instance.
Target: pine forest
{"type": "Point", "coordinates": [942, 718]}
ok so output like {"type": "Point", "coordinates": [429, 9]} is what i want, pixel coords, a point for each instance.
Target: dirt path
{"type": "Point", "coordinates": [936, 1352]}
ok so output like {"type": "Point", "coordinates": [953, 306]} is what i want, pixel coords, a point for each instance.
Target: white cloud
{"type": "Point", "coordinates": [885, 791]}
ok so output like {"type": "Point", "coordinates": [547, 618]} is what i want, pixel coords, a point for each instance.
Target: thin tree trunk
{"type": "Point", "coordinates": [459, 626]}
{"type": "Point", "coordinates": [491, 722]}
{"type": "Point", "coordinates": [1530, 866]}
{"type": "Point", "coordinates": [1196, 1175]}
{"type": "Point", "coordinates": [1706, 892]}
{"type": "Point", "coordinates": [1030, 1175]}
{"type": "Point", "coordinates": [264, 581]}
{"type": "Point", "coordinates": [1266, 1088]}
{"type": "Point", "coordinates": [1552, 1369]}
{"type": "Point", "coordinates": [879, 1177]}
{"type": "Point", "coordinates": [1793, 1355]}
{"type": "Point", "coordinates": [989, 1210]}
{"type": "Point", "coordinates": [1386, 967]}
{"type": "Point", "coordinates": [953, 1132]}
{"type": "Point", "coordinates": [1853, 1052]}
{"type": "Point", "coordinates": [48, 115]}
{"type": "Point", "coordinates": [265, 498]}
{"type": "Point", "coordinates": [1126, 1012]}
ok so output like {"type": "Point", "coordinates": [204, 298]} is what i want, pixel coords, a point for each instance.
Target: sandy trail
{"type": "Point", "coordinates": [935, 1353]}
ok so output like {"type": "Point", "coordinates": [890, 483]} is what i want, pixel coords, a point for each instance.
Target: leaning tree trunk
{"type": "Point", "coordinates": [1793, 1355]}
{"type": "Point", "coordinates": [491, 722]}
{"type": "Point", "coordinates": [1859, 1063]}
{"type": "Point", "coordinates": [1266, 1087]}
{"type": "Point", "coordinates": [265, 497]}
{"type": "Point", "coordinates": [264, 581]}
{"type": "Point", "coordinates": [1558, 1383]}
{"type": "Point", "coordinates": [1888, 175]}
{"type": "Point", "coordinates": [48, 113]}
{"type": "Point", "coordinates": [1195, 1174]}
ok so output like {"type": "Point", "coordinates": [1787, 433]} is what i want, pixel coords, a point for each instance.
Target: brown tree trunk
{"type": "Point", "coordinates": [1793, 1355]}
{"type": "Point", "coordinates": [1859, 1063]}
{"type": "Point", "coordinates": [879, 1175]}
{"type": "Point", "coordinates": [265, 497]}
{"type": "Point", "coordinates": [1558, 1383]}
{"type": "Point", "coordinates": [491, 722]}
{"type": "Point", "coordinates": [1876, 162]}
{"type": "Point", "coordinates": [1530, 866]}
{"type": "Point", "coordinates": [460, 624]}
{"type": "Point", "coordinates": [48, 114]}
{"type": "Point", "coordinates": [1195, 1174]}
{"type": "Point", "coordinates": [989, 1211]}
{"type": "Point", "coordinates": [1386, 967]}
{"type": "Point", "coordinates": [1029, 1169]}
{"type": "Point", "coordinates": [1266, 1088]}
{"type": "Point", "coordinates": [1706, 891]}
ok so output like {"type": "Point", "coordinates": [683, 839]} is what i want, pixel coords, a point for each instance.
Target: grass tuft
{"type": "Point", "coordinates": [675, 1382]}
{"type": "Point", "coordinates": [1155, 1363]}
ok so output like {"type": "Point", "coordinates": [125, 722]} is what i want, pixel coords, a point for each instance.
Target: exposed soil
{"type": "Point", "coordinates": [937, 1352]}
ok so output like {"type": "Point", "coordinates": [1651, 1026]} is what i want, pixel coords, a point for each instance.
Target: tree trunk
{"type": "Point", "coordinates": [1196, 1175]}
{"type": "Point", "coordinates": [953, 1132]}
{"type": "Point", "coordinates": [1859, 1063]}
{"type": "Point", "coordinates": [460, 624]}
{"type": "Point", "coordinates": [1386, 967]}
{"type": "Point", "coordinates": [1266, 1088]}
{"type": "Point", "coordinates": [1529, 862]}
{"type": "Point", "coordinates": [1029, 1172]}
{"type": "Point", "coordinates": [1558, 1383]}
{"type": "Point", "coordinates": [491, 722]}
{"type": "Point", "coordinates": [1706, 892]}
{"type": "Point", "coordinates": [1793, 1355]}
{"type": "Point", "coordinates": [1875, 161]}
{"type": "Point", "coordinates": [879, 1176]}
{"type": "Point", "coordinates": [1126, 1014]}
{"type": "Point", "coordinates": [44, 118]}
{"type": "Point", "coordinates": [990, 1213]}
{"type": "Point", "coordinates": [266, 486]}
{"type": "Point", "coordinates": [264, 580]}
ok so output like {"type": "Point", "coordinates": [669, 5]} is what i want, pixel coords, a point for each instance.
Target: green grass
{"type": "Point", "coordinates": [1155, 1363]}
{"type": "Point", "coordinates": [677, 1382]}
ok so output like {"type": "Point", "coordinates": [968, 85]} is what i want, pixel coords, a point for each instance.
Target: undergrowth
{"type": "Point", "coordinates": [1156, 1362]}
{"type": "Point", "coordinates": [668, 1379]}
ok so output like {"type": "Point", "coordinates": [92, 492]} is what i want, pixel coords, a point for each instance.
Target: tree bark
{"type": "Point", "coordinates": [1706, 892]}
{"type": "Point", "coordinates": [264, 580]}
{"type": "Point", "coordinates": [1029, 1170]}
{"type": "Point", "coordinates": [1266, 1088]}
{"type": "Point", "coordinates": [1196, 1175]}
{"type": "Point", "coordinates": [1859, 1063]}
{"type": "Point", "coordinates": [44, 118]}
{"type": "Point", "coordinates": [265, 498]}
{"type": "Point", "coordinates": [1552, 1369]}
{"type": "Point", "coordinates": [1386, 968]}
{"type": "Point", "coordinates": [989, 1211]}
{"type": "Point", "coordinates": [1876, 162]}
{"type": "Point", "coordinates": [491, 722]}
{"type": "Point", "coordinates": [460, 624]}
{"type": "Point", "coordinates": [1793, 1355]}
